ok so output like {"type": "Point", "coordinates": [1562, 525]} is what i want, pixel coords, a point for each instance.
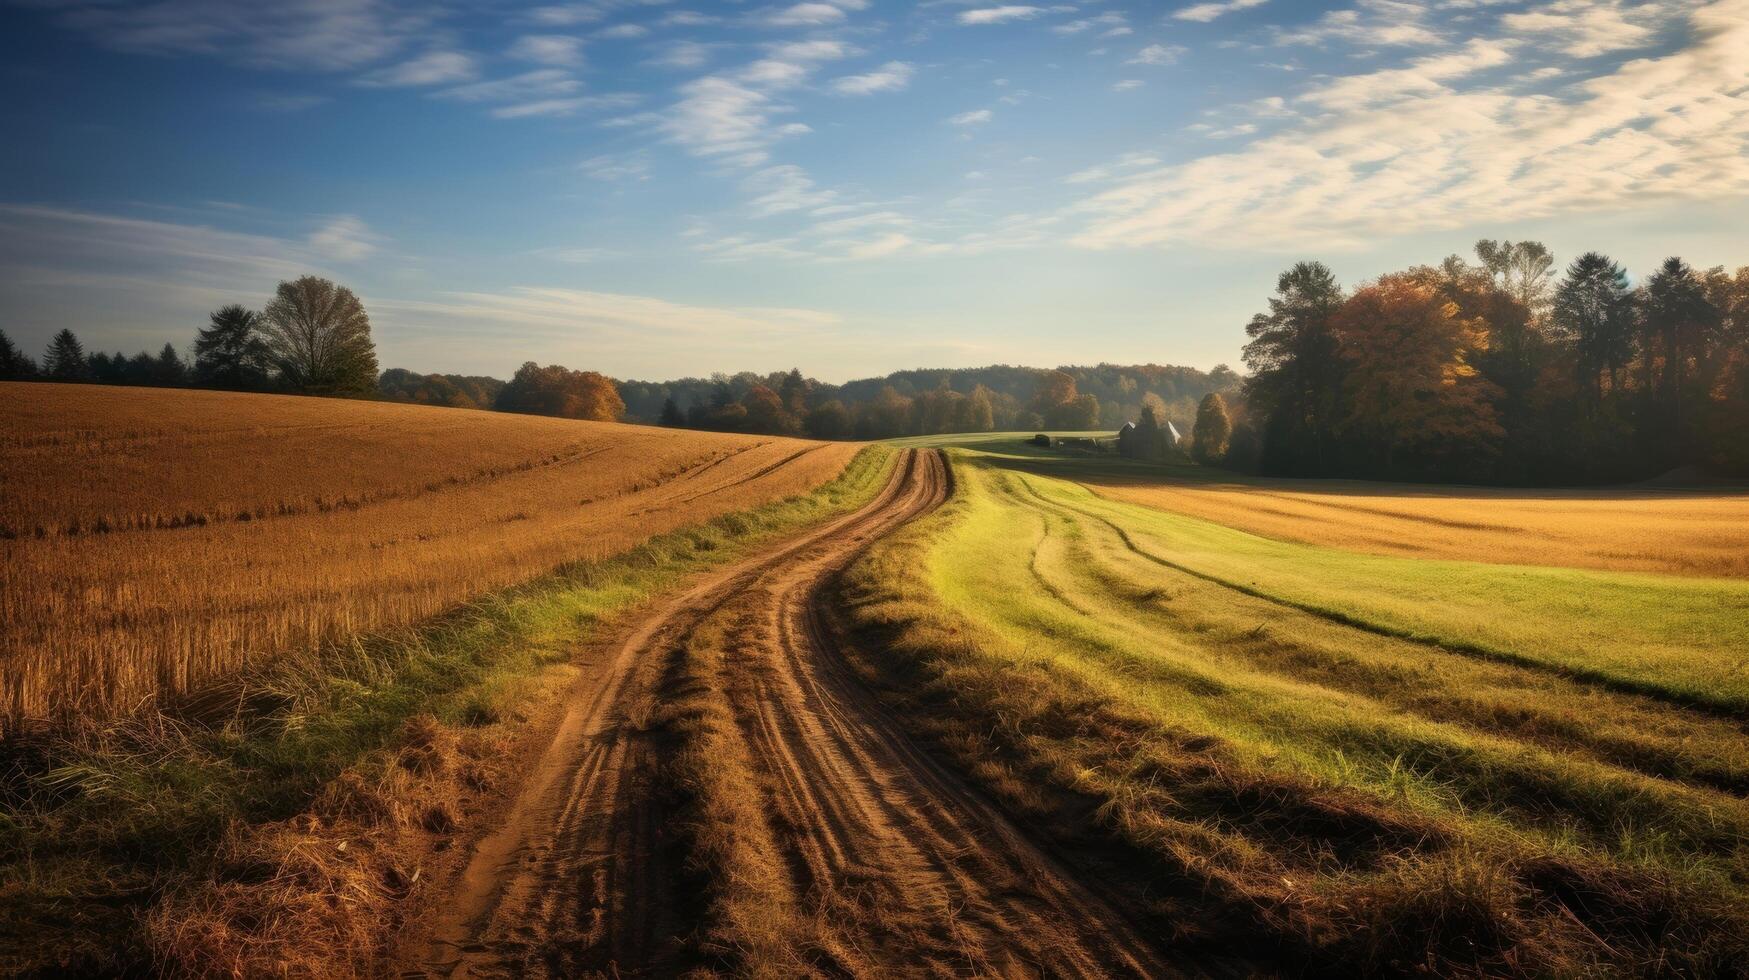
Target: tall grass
{"type": "Point", "coordinates": [1278, 758]}
{"type": "Point", "coordinates": [150, 539]}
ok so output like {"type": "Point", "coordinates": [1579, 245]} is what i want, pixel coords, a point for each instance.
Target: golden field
{"type": "Point", "coordinates": [153, 538]}
{"type": "Point", "coordinates": [1682, 532]}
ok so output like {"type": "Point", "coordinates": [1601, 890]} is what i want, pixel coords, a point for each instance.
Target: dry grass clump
{"type": "Point", "coordinates": [313, 895]}
{"type": "Point", "coordinates": [1682, 532]}
{"type": "Point", "coordinates": [150, 539]}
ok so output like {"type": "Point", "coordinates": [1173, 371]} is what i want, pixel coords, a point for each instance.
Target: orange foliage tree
{"type": "Point", "coordinates": [1410, 388]}
{"type": "Point", "coordinates": [562, 392]}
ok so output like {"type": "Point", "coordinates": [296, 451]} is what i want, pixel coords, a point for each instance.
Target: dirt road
{"type": "Point", "coordinates": [892, 865]}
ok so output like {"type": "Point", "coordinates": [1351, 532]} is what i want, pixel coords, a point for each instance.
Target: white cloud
{"type": "Point", "coordinates": [1408, 148]}
{"type": "Point", "coordinates": [890, 77]}
{"type": "Point", "coordinates": [344, 238]}
{"type": "Point", "coordinates": [782, 189]}
{"type": "Point", "coordinates": [1115, 21]}
{"type": "Point", "coordinates": [1127, 85]}
{"type": "Point", "coordinates": [432, 68]}
{"type": "Point", "coordinates": [1123, 164]}
{"type": "Point", "coordinates": [621, 32]}
{"type": "Point", "coordinates": [1157, 54]}
{"type": "Point", "coordinates": [1588, 28]}
{"type": "Point", "coordinates": [805, 15]}
{"type": "Point", "coordinates": [564, 107]}
{"type": "Point", "coordinates": [1388, 23]}
{"type": "Point", "coordinates": [1205, 12]}
{"type": "Point", "coordinates": [999, 15]}
{"type": "Point", "coordinates": [686, 18]}
{"type": "Point", "coordinates": [548, 49]}
{"type": "Point", "coordinates": [611, 168]}
{"type": "Point", "coordinates": [682, 54]}
{"type": "Point", "coordinates": [576, 255]}
{"type": "Point", "coordinates": [724, 118]}
{"type": "Point", "coordinates": [971, 117]}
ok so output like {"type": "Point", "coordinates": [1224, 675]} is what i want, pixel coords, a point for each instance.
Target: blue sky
{"type": "Point", "coordinates": [654, 189]}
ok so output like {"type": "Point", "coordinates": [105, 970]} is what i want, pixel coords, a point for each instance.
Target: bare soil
{"type": "Point", "coordinates": [893, 864]}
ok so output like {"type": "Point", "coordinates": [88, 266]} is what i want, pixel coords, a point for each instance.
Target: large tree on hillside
{"type": "Point", "coordinates": [65, 358]}
{"type": "Point", "coordinates": [319, 337]}
{"type": "Point", "coordinates": [14, 363]}
{"type": "Point", "coordinates": [561, 392]}
{"type": "Point", "coordinates": [794, 393]}
{"type": "Point", "coordinates": [1296, 376]}
{"type": "Point", "coordinates": [1410, 388]}
{"type": "Point", "coordinates": [229, 351]}
{"type": "Point", "coordinates": [1594, 311]}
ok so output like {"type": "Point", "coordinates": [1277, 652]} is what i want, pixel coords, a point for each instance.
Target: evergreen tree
{"type": "Point", "coordinates": [230, 353]}
{"type": "Point", "coordinates": [1594, 311]}
{"type": "Point", "coordinates": [14, 365]}
{"type": "Point", "coordinates": [65, 358]}
{"type": "Point", "coordinates": [794, 393]}
{"type": "Point", "coordinates": [168, 371]}
{"type": "Point", "coordinates": [671, 415]}
{"type": "Point", "coordinates": [1297, 381]}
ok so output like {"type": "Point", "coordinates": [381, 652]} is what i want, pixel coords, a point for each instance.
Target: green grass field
{"type": "Point", "coordinates": [1381, 760]}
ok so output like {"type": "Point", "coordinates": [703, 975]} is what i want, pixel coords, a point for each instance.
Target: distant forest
{"type": "Point", "coordinates": [1498, 370]}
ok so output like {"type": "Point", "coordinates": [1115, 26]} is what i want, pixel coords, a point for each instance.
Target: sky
{"type": "Point", "coordinates": [660, 188]}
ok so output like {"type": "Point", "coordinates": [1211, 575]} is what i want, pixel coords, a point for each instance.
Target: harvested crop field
{"type": "Point", "coordinates": [152, 538]}
{"type": "Point", "coordinates": [1684, 532]}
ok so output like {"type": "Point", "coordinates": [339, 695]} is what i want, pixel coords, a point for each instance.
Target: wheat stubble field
{"type": "Point", "coordinates": [155, 538]}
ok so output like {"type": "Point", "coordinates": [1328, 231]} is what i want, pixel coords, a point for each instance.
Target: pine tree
{"type": "Point", "coordinates": [671, 416]}
{"type": "Point", "coordinates": [168, 371]}
{"type": "Point", "coordinates": [14, 365]}
{"type": "Point", "coordinates": [229, 353]}
{"type": "Point", "coordinates": [65, 358]}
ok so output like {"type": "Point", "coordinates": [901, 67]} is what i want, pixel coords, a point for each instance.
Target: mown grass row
{"type": "Point", "coordinates": [1264, 766]}
{"type": "Point", "coordinates": [278, 819]}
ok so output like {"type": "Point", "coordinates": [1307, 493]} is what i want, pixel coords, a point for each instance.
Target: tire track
{"type": "Point", "coordinates": [895, 865]}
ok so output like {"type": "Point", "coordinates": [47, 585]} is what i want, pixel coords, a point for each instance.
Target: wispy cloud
{"type": "Point", "coordinates": [431, 68]}
{"type": "Point", "coordinates": [1433, 145]}
{"type": "Point", "coordinates": [890, 77]}
{"type": "Point", "coordinates": [562, 50]}
{"type": "Point", "coordinates": [1205, 12]}
{"type": "Point", "coordinates": [1157, 54]}
{"type": "Point", "coordinates": [999, 15]}
{"type": "Point", "coordinates": [971, 117]}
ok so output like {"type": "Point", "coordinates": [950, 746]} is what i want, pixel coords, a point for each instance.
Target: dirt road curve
{"type": "Point", "coordinates": [898, 867]}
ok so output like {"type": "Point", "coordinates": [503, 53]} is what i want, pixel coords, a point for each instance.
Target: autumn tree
{"type": "Point", "coordinates": [1212, 430]}
{"type": "Point", "coordinates": [1593, 311]}
{"type": "Point", "coordinates": [65, 358]}
{"type": "Point", "coordinates": [319, 338]}
{"type": "Point", "coordinates": [1410, 390]}
{"type": "Point", "coordinates": [229, 351]}
{"type": "Point", "coordinates": [561, 392]}
{"type": "Point", "coordinates": [765, 411]}
{"type": "Point", "coordinates": [1296, 380]}
{"type": "Point", "coordinates": [976, 412]}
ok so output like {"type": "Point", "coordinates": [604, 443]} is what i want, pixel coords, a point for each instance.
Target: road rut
{"type": "Point", "coordinates": [893, 864]}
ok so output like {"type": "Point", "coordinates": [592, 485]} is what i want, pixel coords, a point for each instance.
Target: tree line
{"type": "Point", "coordinates": [312, 337]}
{"type": "Point", "coordinates": [926, 402]}
{"type": "Point", "coordinates": [1496, 370]}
